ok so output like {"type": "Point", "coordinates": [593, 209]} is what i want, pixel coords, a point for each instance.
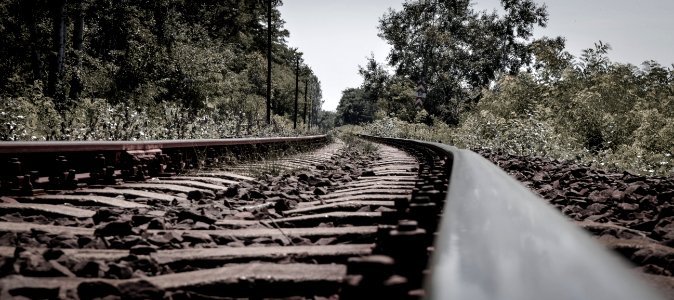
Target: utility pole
{"type": "Point", "coordinates": [297, 88]}
{"type": "Point", "coordinates": [269, 29]}
{"type": "Point", "coordinates": [311, 113]}
{"type": "Point", "coordinates": [306, 88]}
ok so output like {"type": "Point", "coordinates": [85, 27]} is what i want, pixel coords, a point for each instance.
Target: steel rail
{"type": "Point", "coordinates": [79, 146]}
{"type": "Point", "coordinates": [498, 240]}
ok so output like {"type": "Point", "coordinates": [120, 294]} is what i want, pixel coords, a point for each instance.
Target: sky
{"type": "Point", "coordinates": [336, 36]}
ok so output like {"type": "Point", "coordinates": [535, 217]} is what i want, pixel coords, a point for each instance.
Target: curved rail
{"type": "Point", "coordinates": [497, 240]}
{"type": "Point", "coordinates": [28, 165]}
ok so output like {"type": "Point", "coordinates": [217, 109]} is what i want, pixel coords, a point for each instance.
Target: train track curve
{"type": "Point", "coordinates": [366, 218]}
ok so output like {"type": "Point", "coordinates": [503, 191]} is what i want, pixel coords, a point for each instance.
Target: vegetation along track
{"type": "Point", "coordinates": [342, 220]}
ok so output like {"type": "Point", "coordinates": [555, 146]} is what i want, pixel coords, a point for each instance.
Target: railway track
{"type": "Point", "coordinates": [356, 220]}
{"type": "Point", "coordinates": [297, 226]}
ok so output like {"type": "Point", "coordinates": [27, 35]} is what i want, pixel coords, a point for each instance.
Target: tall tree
{"type": "Point", "coordinates": [54, 88]}
{"type": "Point", "coordinates": [28, 8]}
{"type": "Point", "coordinates": [354, 107]}
{"type": "Point", "coordinates": [457, 51]}
{"type": "Point", "coordinates": [374, 82]}
{"type": "Point", "coordinates": [78, 43]}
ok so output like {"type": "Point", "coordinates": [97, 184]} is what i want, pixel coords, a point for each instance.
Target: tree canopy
{"type": "Point", "coordinates": [201, 56]}
{"type": "Point", "coordinates": [455, 50]}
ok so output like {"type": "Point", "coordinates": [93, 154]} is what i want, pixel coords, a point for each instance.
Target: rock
{"type": "Point", "coordinates": [142, 264]}
{"type": "Point", "coordinates": [253, 194]}
{"type": "Point", "coordinates": [320, 191]}
{"type": "Point", "coordinates": [385, 209]}
{"type": "Point", "coordinates": [368, 173]}
{"type": "Point", "coordinates": [33, 264]}
{"type": "Point", "coordinates": [617, 195]}
{"type": "Point", "coordinates": [236, 244]}
{"type": "Point", "coordinates": [142, 250]}
{"type": "Point", "coordinates": [285, 204]}
{"type": "Point", "coordinates": [324, 182]}
{"type": "Point", "coordinates": [35, 293]}
{"type": "Point", "coordinates": [173, 237]}
{"type": "Point", "coordinates": [63, 241]}
{"type": "Point", "coordinates": [4, 199]}
{"type": "Point", "coordinates": [596, 208]}
{"type": "Point", "coordinates": [244, 215]}
{"type": "Point", "coordinates": [303, 177]}
{"type": "Point", "coordinates": [90, 269]}
{"type": "Point", "coordinates": [635, 188]}
{"type": "Point", "coordinates": [7, 238]}
{"type": "Point", "coordinates": [119, 271]}
{"type": "Point", "coordinates": [156, 224]}
{"type": "Point", "coordinates": [232, 191]}
{"type": "Point", "coordinates": [186, 214]}
{"type": "Point", "coordinates": [133, 240]}
{"type": "Point", "coordinates": [197, 238]}
{"type": "Point", "coordinates": [140, 290]}
{"type": "Point", "coordinates": [665, 196]}
{"type": "Point", "coordinates": [664, 229]}
{"type": "Point", "coordinates": [539, 176]}
{"type": "Point", "coordinates": [50, 254]}
{"type": "Point", "coordinates": [7, 266]}
{"type": "Point", "coordinates": [201, 226]}
{"type": "Point", "coordinates": [544, 189]}
{"type": "Point", "coordinates": [600, 196]}
{"type": "Point", "coordinates": [325, 241]}
{"type": "Point", "coordinates": [628, 206]}
{"type": "Point", "coordinates": [195, 195]}
{"type": "Point", "coordinates": [90, 290]}
{"type": "Point", "coordinates": [656, 270]}
{"type": "Point", "coordinates": [121, 228]}
{"type": "Point", "coordinates": [104, 215]}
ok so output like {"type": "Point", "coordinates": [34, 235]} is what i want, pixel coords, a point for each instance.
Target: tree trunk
{"type": "Point", "coordinates": [29, 18]}
{"type": "Point", "coordinates": [160, 16]}
{"type": "Point", "coordinates": [269, 45]}
{"type": "Point", "coordinates": [78, 41]}
{"type": "Point", "coordinates": [297, 88]}
{"type": "Point", "coordinates": [59, 43]}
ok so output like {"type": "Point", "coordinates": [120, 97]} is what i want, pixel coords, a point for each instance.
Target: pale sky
{"type": "Point", "coordinates": [337, 35]}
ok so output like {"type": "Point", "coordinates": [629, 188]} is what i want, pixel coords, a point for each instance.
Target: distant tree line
{"type": "Point", "coordinates": [192, 59]}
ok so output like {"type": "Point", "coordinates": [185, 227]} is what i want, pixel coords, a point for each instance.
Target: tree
{"type": "Point", "coordinates": [198, 57]}
{"type": "Point", "coordinates": [550, 59]}
{"type": "Point", "coordinates": [374, 78]}
{"type": "Point", "coordinates": [54, 88]}
{"type": "Point", "coordinates": [457, 51]}
{"type": "Point", "coordinates": [354, 107]}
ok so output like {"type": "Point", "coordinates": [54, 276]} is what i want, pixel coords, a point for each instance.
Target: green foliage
{"type": "Point", "coordinates": [610, 115]}
{"type": "Point", "coordinates": [457, 51]}
{"type": "Point", "coordinates": [354, 107]}
{"type": "Point", "coordinates": [33, 117]}
{"type": "Point", "coordinates": [143, 65]}
{"type": "Point", "coordinates": [96, 119]}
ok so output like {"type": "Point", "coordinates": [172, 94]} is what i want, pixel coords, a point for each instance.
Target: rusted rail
{"type": "Point", "coordinates": [62, 165]}
{"type": "Point", "coordinates": [92, 146]}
